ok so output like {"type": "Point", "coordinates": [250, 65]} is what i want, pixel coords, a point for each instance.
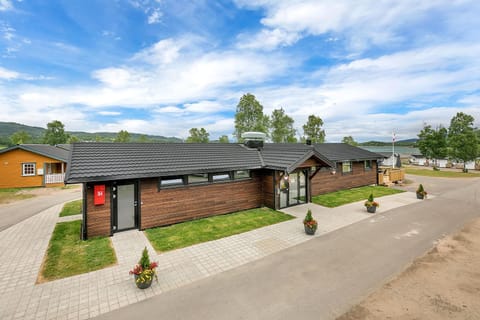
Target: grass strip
{"type": "Point", "coordinates": [68, 255]}
{"type": "Point", "coordinates": [13, 194]}
{"type": "Point", "coordinates": [196, 231]}
{"type": "Point", "coordinates": [441, 173]}
{"type": "Point", "coordinates": [339, 198]}
{"type": "Point", "coordinates": [71, 208]}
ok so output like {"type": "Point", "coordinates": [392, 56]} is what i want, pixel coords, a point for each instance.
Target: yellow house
{"type": "Point", "coordinates": [33, 165]}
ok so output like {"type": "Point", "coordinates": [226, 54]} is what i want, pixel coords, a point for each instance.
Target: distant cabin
{"type": "Point", "coordinates": [33, 165]}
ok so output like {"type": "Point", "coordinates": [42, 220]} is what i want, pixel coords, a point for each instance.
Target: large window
{"type": "Point", "coordinates": [346, 167]}
{"type": "Point", "coordinates": [201, 178]}
{"type": "Point", "coordinates": [197, 178]}
{"type": "Point", "coordinates": [368, 165]}
{"type": "Point", "coordinates": [171, 181]}
{"type": "Point", "coordinates": [241, 174]}
{"type": "Point", "coordinates": [28, 169]}
{"type": "Point", "coordinates": [221, 176]}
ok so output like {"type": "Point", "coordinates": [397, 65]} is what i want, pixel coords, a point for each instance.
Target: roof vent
{"type": "Point", "coordinates": [254, 139]}
{"type": "Point", "coordinates": [308, 142]}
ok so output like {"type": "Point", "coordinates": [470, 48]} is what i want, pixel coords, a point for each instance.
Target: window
{"type": "Point", "coordinates": [241, 174]}
{"type": "Point", "coordinates": [198, 178]}
{"type": "Point", "coordinates": [346, 167]}
{"type": "Point", "coordinates": [368, 165]}
{"type": "Point", "coordinates": [172, 181]}
{"type": "Point", "coordinates": [221, 176]}
{"type": "Point", "coordinates": [28, 169]}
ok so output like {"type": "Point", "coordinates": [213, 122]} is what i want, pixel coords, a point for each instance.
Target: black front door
{"type": "Point", "coordinates": [293, 189]}
{"type": "Point", "coordinates": [125, 206]}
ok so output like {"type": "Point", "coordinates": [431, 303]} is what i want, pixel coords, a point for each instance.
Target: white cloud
{"type": "Point", "coordinates": [163, 52]}
{"type": "Point", "coordinates": [267, 39]}
{"type": "Point", "coordinates": [8, 74]}
{"type": "Point", "coordinates": [361, 23]}
{"type": "Point", "coordinates": [113, 77]}
{"type": "Point", "coordinates": [205, 107]}
{"type": "Point", "coordinates": [109, 113]}
{"type": "Point", "coordinates": [8, 33]}
{"type": "Point", "coordinates": [6, 5]}
{"type": "Point", "coordinates": [366, 97]}
{"type": "Point", "coordinates": [155, 16]}
{"type": "Point", "coordinates": [150, 80]}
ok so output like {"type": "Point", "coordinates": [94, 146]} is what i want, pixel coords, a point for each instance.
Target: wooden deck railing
{"type": "Point", "coordinates": [54, 178]}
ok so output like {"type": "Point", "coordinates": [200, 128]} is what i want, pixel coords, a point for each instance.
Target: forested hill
{"type": "Point", "coordinates": [36, 134]}
{"type": "Point", "coordinates": [404, 143]}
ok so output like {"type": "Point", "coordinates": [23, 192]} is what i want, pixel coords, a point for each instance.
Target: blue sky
{"type": "Point", "coordinates": [162, 67]}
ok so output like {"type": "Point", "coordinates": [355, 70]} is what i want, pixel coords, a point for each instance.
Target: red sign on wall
{"type": "Point", "coordinates": [99, 194]}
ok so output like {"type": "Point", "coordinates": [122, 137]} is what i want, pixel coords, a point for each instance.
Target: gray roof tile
{"type": "Point", "coordinates": [54, 152]}
{"type": "Point", "coordinates": [345, 152]}
{"type": "Point", "coordinates": [115, 161]}
{"type": "Point", "coordinates": [111, 161]}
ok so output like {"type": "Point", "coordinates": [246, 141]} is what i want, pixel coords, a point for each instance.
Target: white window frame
{"type": "Point", "coordinates": [29, 165]}
{"type": "Point", "coordinates": [351, 167]}
{"type": "Point", "coordinates": [369, 167]}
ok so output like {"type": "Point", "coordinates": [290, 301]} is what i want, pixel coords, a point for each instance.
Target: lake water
{"type": "Point", "coordinates": [404, 151]}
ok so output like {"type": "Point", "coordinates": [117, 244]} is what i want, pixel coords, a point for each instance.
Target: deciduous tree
{"type": "Point", "coordinates": [73, 139]}
{"type": "Point", "coordinates": [462, 140]}
{"type": "Point", "coordinates": [223, 139]}
{"type": "Point", "coordinates": [20, 137]}
{"type": "Point", "coordinates": [313, 129]}
{"type": "Point", "coordinates": [282, 127]}
{"type": "Point", "coordinates": [349, 140]}
{"type": "Point", "coordinates": [249, 116]}
{"type": "Point", "coordinates": [432, 143]}
{"type": "Point", "coordinates": [122, 136]}
{"type": "Point", "coordinates": [55, 133]}
{"type": "Point", "coordinates": [198, 136]}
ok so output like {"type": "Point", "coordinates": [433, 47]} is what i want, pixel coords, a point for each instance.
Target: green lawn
{"type": "Point", "coordinates": [67, 255]}
{"type": "Point", "coordinates": [14, 194]}
{"type": "Point", "coordinates": [338, 198]}
{"type": "Point", "coordinates": [188, 233]}
{"type": "Point", "coordinates": [442, 173]}
{"type": "Point", "coordinates": [71, 208]}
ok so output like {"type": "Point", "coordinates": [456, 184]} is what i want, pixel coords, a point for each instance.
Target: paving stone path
{"type": "Point", "coordinates": [23, 247]}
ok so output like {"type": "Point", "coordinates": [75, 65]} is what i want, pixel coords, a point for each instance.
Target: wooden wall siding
{"type": "Point", "coordinates": [324, 181]}
{"type": "Point", "coordinates": [11, 169]}
{"type": "Point", "coordinates": [98, 217]}
{"type": "Point", "coordinates": [309, 163]}
{"type": "Point", "coordinates": [268, 188]}
{"type": "Point", "coordinates": [169, 206]}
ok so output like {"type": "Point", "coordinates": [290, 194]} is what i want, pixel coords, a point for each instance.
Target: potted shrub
{"type": "Point", "coordinates": [309, 223]}
{"type": "Point", "coordinates": [371, 204]}
{"type": "Point", "coordinates": [144, 271]}
{"type": "Point", "coordinates": [421, 193]}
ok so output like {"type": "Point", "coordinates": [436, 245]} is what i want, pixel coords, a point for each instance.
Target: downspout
{"type": "Point", "coordinates": [274, 190]}
{"type": "Point", "coordinates": [84, 211]}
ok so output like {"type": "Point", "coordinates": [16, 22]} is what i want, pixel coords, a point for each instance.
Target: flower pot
{"type": "Point", "coordinates": [420, 196]}
{"type": "Point", "coordinates": [143, 284]}
{"type": "Point", "coordinates": [309, 230]}
{"type": "Point", "coordinates": [372, 209]}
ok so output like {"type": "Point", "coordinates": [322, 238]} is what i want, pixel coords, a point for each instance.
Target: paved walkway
{"type": "Point", "coordinates": [22, 248]}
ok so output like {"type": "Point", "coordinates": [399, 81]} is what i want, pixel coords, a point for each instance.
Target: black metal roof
{"type": "Point", "coordinates": [112, 161]}
{"type": "Point", "coordinates": [344, 152]}
{"type": "Point", "coordinates": [116, 161]}
{"type": "Point", "coordinates": [54, 152]}
{"type": "Point", "coordinates": [287, 156]}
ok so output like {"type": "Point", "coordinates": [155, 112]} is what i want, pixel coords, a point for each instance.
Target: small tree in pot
{"type": "Point", "coordinates": [421, 193]}
{"type": "Point", "coordinates": [371, 204]}
{"type": "Point", "coordinates": [309, 223]}
{"type": "Point", "coordinates": [144, 271]}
